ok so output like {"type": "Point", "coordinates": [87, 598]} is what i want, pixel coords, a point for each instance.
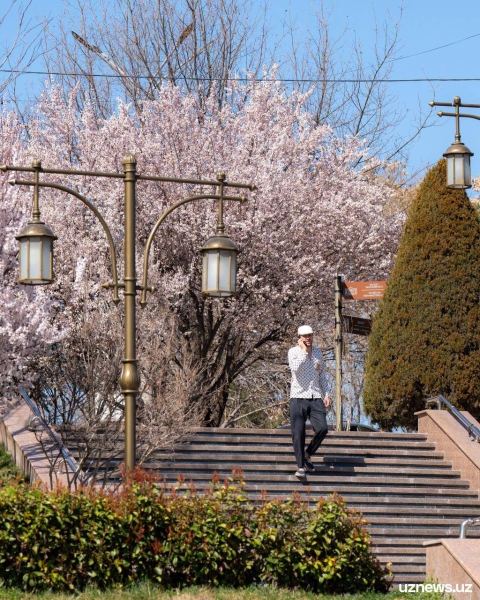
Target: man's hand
{"type": "Point", "coordinates": [305, 343]}
{"type": "Point", "coordinates": [326, 401]}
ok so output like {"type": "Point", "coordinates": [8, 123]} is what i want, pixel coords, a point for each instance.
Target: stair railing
{"type": "Point", "coordinates": [465, 524]}
{"type": "Point", "coordinates": [472, 429]}
{"type": "Point", "coordinates": [67, 459]}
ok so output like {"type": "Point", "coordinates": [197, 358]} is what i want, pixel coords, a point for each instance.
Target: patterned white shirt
{"type": "Point", "coordinates": [308, 374]}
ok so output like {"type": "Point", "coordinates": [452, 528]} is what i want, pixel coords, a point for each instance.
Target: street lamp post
{"type": "Point", "coordinates": [219, 259]}
{"type": "Point", "coordinates": [458, 155]}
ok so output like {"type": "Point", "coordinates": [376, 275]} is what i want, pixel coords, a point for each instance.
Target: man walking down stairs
{"type": "Point", "coordinates": [308, 398]}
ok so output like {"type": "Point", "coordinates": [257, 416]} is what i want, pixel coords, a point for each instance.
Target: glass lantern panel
{"type": "Point", "coordinates": [233, 272]}
{"type": "Point", "coordinates": [23, 258]}
{"type": "Point", "coordinates": [46, 259]}
{"type": "Point", "coordinates": [468, 172]}
{"type": "Point", "coordinates": [35, 258]}
{"type": "Point", "coordinates": [459, 171]}
{"type": "Point", "coordinates": [224, 271]}
{"type": "Point", "coordinates": [205, 272]}
{"type": "Point", "coordinates": [212, 260]}
{"type": "Point", "coordinates": [450, 171]}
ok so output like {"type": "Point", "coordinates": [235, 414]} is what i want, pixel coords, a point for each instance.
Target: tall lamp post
{"type": "Point", "coordinates": [219, 259]}
{"type": "Point", "coordinates": [459, 175]}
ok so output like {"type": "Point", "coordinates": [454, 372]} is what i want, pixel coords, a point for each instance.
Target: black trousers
{"type": "Point", "coordinates": [300, 410]}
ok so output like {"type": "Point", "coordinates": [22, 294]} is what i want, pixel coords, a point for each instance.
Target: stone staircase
{"type": "Point", "coordinates": [405, 488]}
{"type": "Point", "coordinates": [401, 484]}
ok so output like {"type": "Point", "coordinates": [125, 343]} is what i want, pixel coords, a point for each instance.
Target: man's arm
{"type": "Point", "coordinates": [323, 379]}
{"type": "Point", "coordinates": [296, 358]}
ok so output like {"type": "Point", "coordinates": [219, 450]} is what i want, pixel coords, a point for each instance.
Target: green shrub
{"type": "Point", "coordinates": [62, 540]}
{"type": "Point", "coordinates": [326, 550]}
{"type": "Point", "coordinates": [8, 469]}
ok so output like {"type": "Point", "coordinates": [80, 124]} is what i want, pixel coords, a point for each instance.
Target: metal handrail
{"type": "Point", "coordinates": [66, 456]}
{"type": "Point", "coordinates": [465, 524]}
{"type": "Point", "coordinates": [472, 429]}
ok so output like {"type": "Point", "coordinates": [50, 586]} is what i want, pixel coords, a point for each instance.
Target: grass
{"type": "Point", "coordinates": [151, 592]}
{"type": "Point", "coordinates": [8, 469]}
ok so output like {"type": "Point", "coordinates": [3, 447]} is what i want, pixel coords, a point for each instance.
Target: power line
{"type": "Point", "coordinates": [248, 79]}
{"type": "Point", "coordinates": [434, 49]}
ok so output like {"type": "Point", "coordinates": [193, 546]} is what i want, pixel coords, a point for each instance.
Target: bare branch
{"type": "Point", "coordinates": [198, 44]}
{"type": "Point", "coordinates": [21, 42]}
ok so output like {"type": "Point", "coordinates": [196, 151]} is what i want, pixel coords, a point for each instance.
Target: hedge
{"type": "Point", "coordinates": [64, 540]}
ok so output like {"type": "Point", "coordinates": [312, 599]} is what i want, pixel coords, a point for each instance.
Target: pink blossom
{"type": "Point", "coordinates": [315, 213]}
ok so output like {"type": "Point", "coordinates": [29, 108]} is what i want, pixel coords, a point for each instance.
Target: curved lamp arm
{"type": "Point", "coordinates": [145, 288]}
{"type": "Point", "coordinates": [95, 211]}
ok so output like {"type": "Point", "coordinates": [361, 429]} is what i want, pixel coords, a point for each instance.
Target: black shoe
{"type": "Point", "coordinates": [309, 465]}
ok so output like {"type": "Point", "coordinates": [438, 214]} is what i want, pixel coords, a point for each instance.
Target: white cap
{"type": "Point", "coordinates": [305, 330]}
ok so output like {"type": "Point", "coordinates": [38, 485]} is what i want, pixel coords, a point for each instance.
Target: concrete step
{"type": "Point", "coordinates": [406, 569]}
{"type": "Point", "coordinates": [184, 466]}
{"type": "Point", "coordinates": [266, 434]}
{"type": "Point", "coordinates": [401, 552]}
{"type": "Point", "coordinates": [250, 460]}
{"type": "Point", "coordinates": [402, 543]}
{"type": "Point", "coordinates": [276, 439]}
{"type": "Point", "coordinates": [334, 479]}
{"type": "Point", "coordinates": [398, 560]}
{"type": "Point", "coordinates": [426, 513]}
{"type": "Point", "coordinates": [413, 503]}
{"type": "Point", "coordinates": [407, 461]}
{"type": "Point", "coordinates": [408, 578]}
{"type": "Point", "coordinates": [464, 508]}
{"type": "Point", "coordinates": [316, 491]}
{"type": "Point", "coordinates": [285, 432]}
{"type": "Point", "coordinates": [280, 441]}
{"type": "Point", "coordinates": [326, 451]}
{"type": "Point", "coordinates": [246, 454]}
{"type": "Point", "coordinates": [414, 531]}
{"type": "Point", "coordinates": [375, 521]}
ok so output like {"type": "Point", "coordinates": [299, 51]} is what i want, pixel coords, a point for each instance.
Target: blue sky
{"type": "Point", "coordinates": [426, 25]}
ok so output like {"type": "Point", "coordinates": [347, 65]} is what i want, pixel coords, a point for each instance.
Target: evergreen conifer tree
{"type": "Point", "coordinates": [425, 336]}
